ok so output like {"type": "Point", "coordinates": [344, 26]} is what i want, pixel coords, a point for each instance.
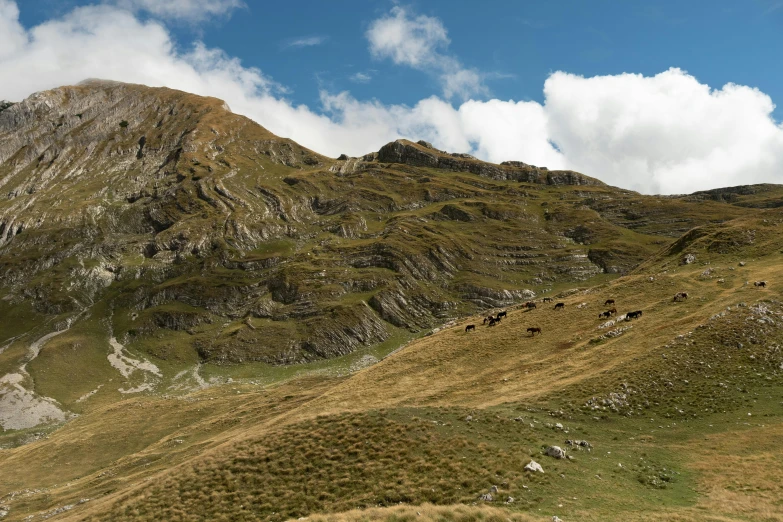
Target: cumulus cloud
{"type": "Point", "coordinates": [187, 10]}
{"type": "Point", "coordinates": [306, 41]}
{"type": "Point", "coordinates": [419, 42]}
{"type": "Point", "coordinates": [667, 133]}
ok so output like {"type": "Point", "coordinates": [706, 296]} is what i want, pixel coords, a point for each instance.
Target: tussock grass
{"type": "Point", "coordinates": [426, 512]}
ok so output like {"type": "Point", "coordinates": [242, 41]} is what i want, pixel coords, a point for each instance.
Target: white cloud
{"type": "Point", "coordinates": [418, 41]}
{"type": "Point", "coordinates": [307, 41]}
{"type": "Point", "coordinates": [667, 133]}
{"type": "Point", "coordinates": [14, 37]}
{"type": "Point", "coordinates": [187, 10]}
{"type": "Point", "coordinates": [361, 77]}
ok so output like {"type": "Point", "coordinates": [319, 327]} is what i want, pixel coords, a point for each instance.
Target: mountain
{"type": "Point", "coordinates": [201, 319]}
{"type": "Point", "coordinates": [181, 215]}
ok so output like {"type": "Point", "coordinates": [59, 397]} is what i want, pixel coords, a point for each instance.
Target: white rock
{"type": "Point", "coordinates": [534, 467]}
{"type": "Point", "coordinates": [556, 452]}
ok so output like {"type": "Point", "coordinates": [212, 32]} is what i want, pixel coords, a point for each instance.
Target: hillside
{"type": "Point", "coordinates": [679, 409]}
{"type": "Point", "coordinates": [202, 320]}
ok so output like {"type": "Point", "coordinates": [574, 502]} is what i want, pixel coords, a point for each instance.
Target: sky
{"type": "Point", "coordinates": [666, 97]}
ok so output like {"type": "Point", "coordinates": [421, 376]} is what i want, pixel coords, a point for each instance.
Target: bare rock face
{"type": "Point", "coordinates": [423, 154]}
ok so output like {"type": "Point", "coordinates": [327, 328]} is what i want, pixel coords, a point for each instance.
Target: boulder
{"type": "Point", "coordinates": [486, 497]}
{"type": "Point", "coordinates": [534, 467]}
{"type": "Point", "coordinates": [556, 452]}
{"type": "Point", "coordinates": [688, 259]}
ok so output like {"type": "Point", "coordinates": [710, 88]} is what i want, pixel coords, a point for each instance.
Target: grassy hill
{"type": "Point", "coordinates": [215, 323]}
{"type": "Point", "coordinates": [680, 409]}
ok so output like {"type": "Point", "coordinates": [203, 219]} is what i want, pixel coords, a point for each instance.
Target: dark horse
{"type": "Point", "coordinates": [680, 296]}
{"type": "Point", "coordinates": [493, 322]}
{"type": "Point", "coordinates": [502, 314]}
{"type": "Point", "coordinates": [488, 319]}
{"type": "Point", "coordinates": [534, 330]}
{"type": "Point", "coordinates": [559, 306]}
{"type": "Point", "coordinates": [547, 300]}
{"type": "Point", "coordinates": [760, 284]}
{"type": "Point", "coordinates": [633, 315]}
{"type": "Point", "coordinates": [609, 302]}
{"type": "Point", "coordinates": [530, 304]}
{"type": "Point", "coordinates": [470, 327]}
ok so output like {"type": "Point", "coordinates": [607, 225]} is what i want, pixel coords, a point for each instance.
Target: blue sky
{"type": "Point", "coordinates": [521, 42]}
{"type": "Point", "coordinates": [333, 76]}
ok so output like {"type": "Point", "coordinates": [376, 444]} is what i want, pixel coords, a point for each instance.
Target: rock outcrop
{"type": "Point", "coordinates": [423, 154]}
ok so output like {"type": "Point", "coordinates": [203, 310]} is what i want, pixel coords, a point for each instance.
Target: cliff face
{"type": "Point", "coordinates": [189, 225]}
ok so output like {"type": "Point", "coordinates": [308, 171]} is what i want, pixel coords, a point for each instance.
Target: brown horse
{"type": "Point", "coordinates": [530, 305]}
{"type": "Point", "coordinates": [609, 302]}
{"type": "Point", "coordinates": [546, 300]}
{"type": "Point", "coordinates": [488, 319]}
{"type": "Point", "coordinates": [493, 322]}
{"type": "Point", "coordinates": [680, 296]}
{"type": "Point", "coordinates": [470, 327]}
{"type": "Point", "coordinates": [559, 306]}
{"type": "Point", "coordinates": [534, 330]}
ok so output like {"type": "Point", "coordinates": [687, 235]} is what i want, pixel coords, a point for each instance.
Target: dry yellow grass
{"type": "Point", "coordinates": [503, 363]}
{"type": "Point", "coordinates": [426, 512]}
{"type": "Point", "coordinates": [740, 472]}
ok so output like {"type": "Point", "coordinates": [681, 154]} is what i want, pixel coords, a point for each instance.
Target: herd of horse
{"type": "Point", "coordinates": [492, 320]}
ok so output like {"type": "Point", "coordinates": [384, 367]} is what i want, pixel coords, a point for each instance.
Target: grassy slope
{"type": "Point", "coordinates": [680, 445]}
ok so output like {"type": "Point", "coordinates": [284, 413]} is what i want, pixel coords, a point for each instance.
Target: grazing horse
{"type": "Point", "coordinates": [534, 330]}
{"type": "Point", "coordinates": [605, 315]}
{"type": "Point", "coordinates": [493, 322]}
{"type": "Point", "coordinates": [488, 319]}
{"type": "Point", "coordinates": [760, 284]}
{"type": "Point", "coordinates": [633, 315]}
{"type": "Point", "coordinates": [546, 300]}
{"type": "Point", "coordinates": [530, 304]}
{"type": "Point", "coordinates": [680, 296]}
{"type": "Point", "coordinates": [609, 302]}
{"type": "Point", "coordinates": [502, 314]}
{"type": "Point", "coordinates": [470, 327]}
{"type": "Point", "coordinates": [559, 306]}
